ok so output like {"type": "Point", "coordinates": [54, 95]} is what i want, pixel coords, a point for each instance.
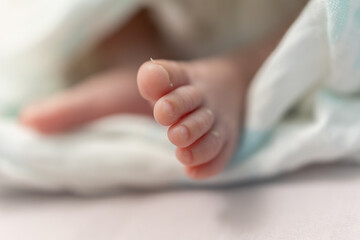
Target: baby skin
{"type": "Point", "coordinates": [203, 104]}
{"type": "Point", "coordinates": [201, 101]}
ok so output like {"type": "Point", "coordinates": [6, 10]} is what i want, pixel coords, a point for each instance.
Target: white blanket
{"type": "Point", "coordinates": [303, 104]}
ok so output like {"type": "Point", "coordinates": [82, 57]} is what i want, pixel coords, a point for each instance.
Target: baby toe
{"type": "Point", "coordinates": [157, 78]}
{"type": "Point", "coordinates": [191, 128]}
{"type": "Point", "coordinates": [202, 151]}
{"type": "Point", "coordinates": [175, 105]}
{"type": "Point", "coordinates": [209, 169]}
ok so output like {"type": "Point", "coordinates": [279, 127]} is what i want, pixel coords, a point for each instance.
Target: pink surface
{"type": "Point", "coordinates": [317, 203]}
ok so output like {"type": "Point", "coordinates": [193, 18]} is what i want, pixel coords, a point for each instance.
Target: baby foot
{"type": "Point", "coordinates": [102, 95]}
{"type": "Point", "coordinates": [202, 102]}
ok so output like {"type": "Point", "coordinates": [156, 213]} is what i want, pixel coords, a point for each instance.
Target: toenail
{"type": "Point", "coordinates": [216, 134]}
{"type": "Point", "coordinates": [168, 109]}
{"type": "Point", "coordinates": [183, 131]}
{"type": "Point", "coordinates": [209, 112]}
{"type": "Point", "coordinates": [164, 70]}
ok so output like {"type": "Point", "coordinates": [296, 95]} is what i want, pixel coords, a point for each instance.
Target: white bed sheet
{"type": "Point", "coordinates": [320, 202]}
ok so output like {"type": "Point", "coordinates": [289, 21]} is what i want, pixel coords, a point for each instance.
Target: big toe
{"type": "Point", "coordinates": [158, 77]}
